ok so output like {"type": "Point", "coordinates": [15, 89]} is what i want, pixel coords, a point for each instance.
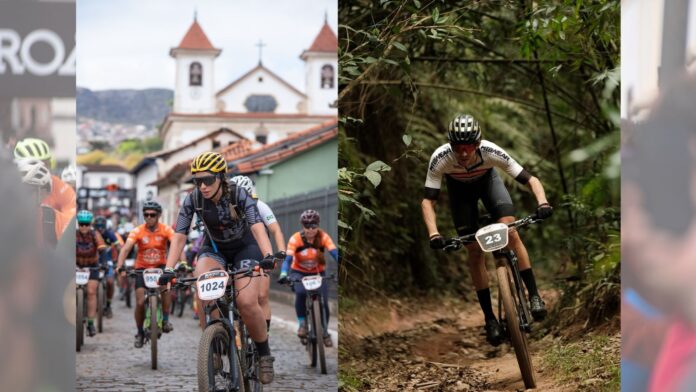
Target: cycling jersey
{"type": "Point", "coordinates": [88, 247]}
{"type": "Point", "coordinates": [152, 245]}
{"type": "Point", "coordinates": [309, 257]}
{"type": "Point", "coordinates": [111, 238]}
{"type": "Point", "coordinates": [444, 162]}
{"type": "Point", "coordinates": [218, 217]}
{"type": "Point", "coordinates": [266, 213]}
{"type": "Point", "coordinates": [62, 198]}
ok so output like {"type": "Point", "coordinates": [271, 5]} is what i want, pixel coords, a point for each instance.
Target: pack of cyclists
{"type": "Point", "coordinates": [232, 227]}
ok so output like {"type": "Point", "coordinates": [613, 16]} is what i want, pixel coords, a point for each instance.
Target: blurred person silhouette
{"type": "Point", "coordinates": [659, 236]}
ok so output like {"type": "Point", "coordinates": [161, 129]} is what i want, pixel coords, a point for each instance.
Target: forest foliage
{"type": "Point", "coordinates": [542, 80]}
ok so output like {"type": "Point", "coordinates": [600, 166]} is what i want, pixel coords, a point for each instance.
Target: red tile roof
{"type": "Point", "coordinates": [195, 38]}
{"type": "Point", "coordinates": [326, 40]}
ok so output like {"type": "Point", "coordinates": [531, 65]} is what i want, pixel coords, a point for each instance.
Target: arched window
{"type": "Point", "coordinates": [196, 74]}
{"type": "Point", "coordinates": [260, 103]}
{"type": "Point", "coordinates": [327, 76]}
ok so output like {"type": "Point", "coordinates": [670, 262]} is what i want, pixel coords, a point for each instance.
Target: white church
{"type": "Point", "coordinates": [259, 106]}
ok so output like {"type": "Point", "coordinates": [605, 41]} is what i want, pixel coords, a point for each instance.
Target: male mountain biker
{"type": "Point", "coordinates": [151, 238]}
{"type": "Point", "coordinates": [235, 235]}
{"type": "Point", "coordinates": [467, 164]}
{"type": "Point", "coordinates": [306, 253]}
{"type": "Point", "coordinates": [269, 220]}
{"type": "Point", "coordinates": [114, 243]}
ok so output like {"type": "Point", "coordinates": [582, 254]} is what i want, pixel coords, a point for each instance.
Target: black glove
{"type": "Point", "coordinates": [283, 279]}
{"type": "Point", "coordinates": [544, 211]}
{"type": "Point", "coordinates": [166, 277]}
{"type": "Point", "coordinates": [281, 255]}
{"type": "Point", "coordinates": [268, 262]}
{"type": "Point", "coordinates": [437, 242]}
{"type": "Point", "coordinates": [121, 269]}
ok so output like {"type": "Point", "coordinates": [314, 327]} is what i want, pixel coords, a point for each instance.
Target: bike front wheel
{"type": "Point", "coordinates": [518, 338]}
{"type": "Point", "coordinates": [216, 361]}
{"type": "Point", "coordinates": [79, 318]}
{"type": "Point", "coordinates": [154, 330]}
{"type": "Point", "coordinates": [319, 332]}
{"type": "Point", "coordinates": [101, 303]}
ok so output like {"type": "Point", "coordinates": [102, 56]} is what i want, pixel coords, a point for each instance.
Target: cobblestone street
{"type": "Point", "coordinates": [109, 362]}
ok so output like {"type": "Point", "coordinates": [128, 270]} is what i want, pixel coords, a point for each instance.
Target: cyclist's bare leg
{"type": "Point", "coordinates": [515, 243]}
{"type": "Point", "coordinates": [109, 288]}
{"type": "Point", "coordinates": [166, 301]}
{"type": "Point", "coordinates": [92, 298]}
{"type": "Point", "coordinates": [265, 285]}
{"type": "Point", "coordinates": [139, 307]}
{"type": "Point", "coordinates": [477, 267]}
{"type": "Point", "coordinates": [249, 308]}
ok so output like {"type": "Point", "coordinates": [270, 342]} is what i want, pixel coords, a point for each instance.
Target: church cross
{"type": "Point", "coordinates": [260, 45]}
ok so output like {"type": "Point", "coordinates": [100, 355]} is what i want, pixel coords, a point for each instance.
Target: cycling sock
{"type": "Point", "coordinates": [529, 281]}
{"type": "Point", "coordinates": [268, 325]}
{"type": "Point", "coordinates": [141, 331]}
{"type": "Point", "coordinates": [263, 348]}
{"type": "Point", "coordinates": [90, 322]}
{"type": "Point", "coordinates": [484, 297]}
{"type": "Point", "coordinates": [165, 317]}
{"type": "Point", "coordinates": [300, 321]}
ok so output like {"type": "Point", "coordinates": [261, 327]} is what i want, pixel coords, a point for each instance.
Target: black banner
{"type": "Point", "coordinates": [37, 49]}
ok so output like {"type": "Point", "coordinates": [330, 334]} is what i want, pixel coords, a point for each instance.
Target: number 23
{"type": "Point", "coordinates": [490, 239]}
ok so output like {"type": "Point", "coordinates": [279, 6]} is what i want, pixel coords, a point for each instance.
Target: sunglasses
{"type": "Point", "coordinates": [150, 215]}
{"type": "Point", "coordinates": [207, 180]}
{"type": "Point", "coordinates": [312, 226]}
{"type": "Point", "coordinates": [84, 224]}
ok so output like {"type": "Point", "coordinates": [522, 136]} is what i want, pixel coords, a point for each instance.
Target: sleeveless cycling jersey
{"type": "Point", "coordinates": [152, 245]}
{"type": "Point", "coordinates": [309, 257]}
{"type": "Point", "coordinates": [489, 155]}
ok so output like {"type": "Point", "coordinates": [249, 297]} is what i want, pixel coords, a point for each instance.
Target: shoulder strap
{"type": "Point", "coordinates": [49, 226]}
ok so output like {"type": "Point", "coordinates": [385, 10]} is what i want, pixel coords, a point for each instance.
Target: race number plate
{"type": "Point", "coordinates": [151, 276]}
{"type": "Point", "coordinates": [81, 276]}
{"type": "Point", "coordinates": [311, 282]}
{"type": "Point", "coordinates": [211, 285]}
{"type": "Point", "coordinates": [130, 263]}
{"type": "Point", "coordinates": [492, 237]}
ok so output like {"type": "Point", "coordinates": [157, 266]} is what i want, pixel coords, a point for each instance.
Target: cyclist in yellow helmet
{"type": "Point", "coordinates": [35, 148]}
{"type": "Point", "coordinates": [235, 235]}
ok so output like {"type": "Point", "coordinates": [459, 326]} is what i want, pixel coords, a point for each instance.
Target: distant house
{"type": "Point", "coordinates": [104, 188]}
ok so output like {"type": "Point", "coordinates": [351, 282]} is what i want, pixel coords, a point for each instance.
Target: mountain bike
{"type": "Point", "coordinates": [101, 299]}
{"type": "Point", "coordinates": [180, 294]}
{"type": "Point", "coordinates": [130, 282]}
{"type": "Point", "coordinates": [153, 310]}
{"type": "Point", "coordinates": [513, 309]}
{"type": "Point", "coordinates": [227, 357]}
{"type": "Point", "coordinates": [81, 280]}
{"type": "Point", "coordinates": [315, 318]}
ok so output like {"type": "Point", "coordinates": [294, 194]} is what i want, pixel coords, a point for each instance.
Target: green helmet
{"type": "Point", "coordinates": [34, 148]}
{"type": "Point", "coordinates": [84, 216]}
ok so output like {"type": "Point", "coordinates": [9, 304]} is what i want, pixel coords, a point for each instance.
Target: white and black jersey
{"type": "Point", "coordinates": [444, 162]}
{"type": "Point", "coordinates": [267, 215]}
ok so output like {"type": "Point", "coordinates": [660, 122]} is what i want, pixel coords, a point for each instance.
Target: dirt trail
{"type": "Point", "coordinates": [440, 349]}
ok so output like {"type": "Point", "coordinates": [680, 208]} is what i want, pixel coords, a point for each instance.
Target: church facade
{"type": "Point", "coordinates": [259, 105]}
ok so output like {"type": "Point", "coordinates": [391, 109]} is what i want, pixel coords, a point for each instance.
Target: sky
{"type": "Point", "coordinates": [125, 44]}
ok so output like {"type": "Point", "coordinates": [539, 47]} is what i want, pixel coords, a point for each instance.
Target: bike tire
{"type": "Point", "coordinates": [181, 301]}
{"type": "Point", "coordinates": [319, 331]}
{"type": "Point", "coordinates": [154, 331]}
{"type": "Point", "coordinates": [101, 298]}
{"type": "Point", "coordinates": [206, 375]}
{"type": "Point", "coordinates": [79, 318]}
{"type": "Point", "coordinates": [128, 293]}
{"type": "Point", "coordinates": [249, 358]}
{"type": "Point", "coordinates": [517, 337]}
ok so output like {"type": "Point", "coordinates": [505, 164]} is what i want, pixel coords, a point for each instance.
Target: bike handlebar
{"type": "Point", "coordinates": [456, 243]}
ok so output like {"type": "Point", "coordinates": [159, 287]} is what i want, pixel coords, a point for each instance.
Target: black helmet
{"type": "Point", "coordinates": [152, 205]}
{"type": "Point", "coordinates": [100, 222]}
{"type": "Point", "coordinates": [464, 130]}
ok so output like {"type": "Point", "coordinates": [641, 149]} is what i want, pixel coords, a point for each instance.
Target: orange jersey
{"type": "Point", "coordinates": [309, 259]}
{"type": "Point", "coordinates": [152, 245]}
{"type": "Point", "coordinates": [62, 198]}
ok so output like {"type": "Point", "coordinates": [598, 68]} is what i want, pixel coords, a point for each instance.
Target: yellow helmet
{"type": "Point", "coordinates": [210, 161]}
{"type": "Point", "coordinates": [34, 148]}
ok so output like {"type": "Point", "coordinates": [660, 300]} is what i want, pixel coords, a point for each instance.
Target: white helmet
{"type": "Point", "coordinates": [34, 172]}
{"type": "Point", "coordinates": [245, 183]}
{"type": "Point", "coordinates": [69, 175]}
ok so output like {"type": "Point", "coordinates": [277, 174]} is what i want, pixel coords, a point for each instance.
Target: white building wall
{"type": "Point", "coordinates": [288, 100]}
{"type": "Point", "coordinates": [318, 99]}
{"type": "Point", "coordinates": [144, 177]}
{"type": "Point", "coordinates": [95, 179]}
{"type": "Point", "coordinates": [194, 99]}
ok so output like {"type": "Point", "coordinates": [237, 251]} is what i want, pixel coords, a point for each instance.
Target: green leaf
{"type": "Point", "coordinates": [407, 139]}
{"type": "Point", "coordinates": [378, 166]}
{"type": "Point", "coordinates": [417, 3]}
{"type": "Point", "coordinates": [374, 177]}
{"type": "Point", "coordinates": [344, 225]}
{"type": "Point", "coordinates": [400, 46]}
{"type": "Point", "coordinates": [390, 61]}
{"type": "Point", "coordinates": [436, 15]}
